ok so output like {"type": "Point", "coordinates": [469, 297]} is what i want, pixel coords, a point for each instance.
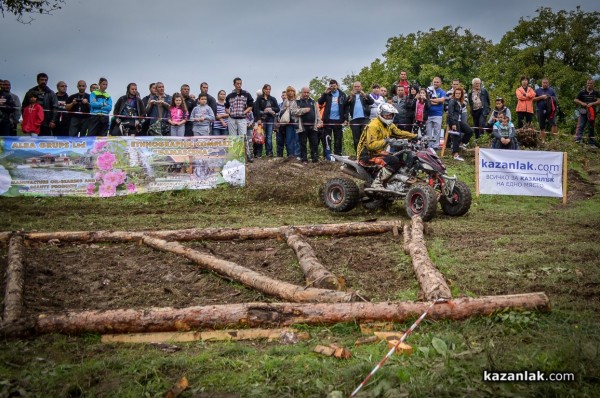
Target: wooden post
{"type": "Point", "coordinates": [446, 134]}
{"type": "Point", "coordinates": [565, 178]}
{"type": "Point", "coordinates": [13, 295]}
{"type": "Point", "coordinates": [477, 171]}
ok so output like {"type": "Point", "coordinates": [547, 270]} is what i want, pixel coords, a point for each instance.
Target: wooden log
{"type": "Point", "coordinates": [432, 281]}
{"type": "Point", "coordinates": [276, 314]}
{"type": "Point", "coordinates": [315, 273]}
{"type": "Point", "coordinates": [86, 236]}
{"type": "Point", "coordinates": [5, 236]}
{"type": "Point", "coordinates": [346, 229]}
{"type": "Point", "coordinates": [13, 294]}
{"type": "Point", "coordinates": [250, 278]}
{"type": "Point", "coordinates": [216, 335]}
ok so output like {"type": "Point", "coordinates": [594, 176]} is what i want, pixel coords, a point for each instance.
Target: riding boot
{"type": "Point", "coordinates": [383, 175]}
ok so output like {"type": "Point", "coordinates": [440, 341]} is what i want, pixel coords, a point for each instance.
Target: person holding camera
{"type": "Point", "coordinates": [157, 109]}
{"type": "Point", "coordinates": [79, 106]}
{"type": "Point", "coordinates": [358, 105]}
{"type": "Point", "coordinates": [128, 109]}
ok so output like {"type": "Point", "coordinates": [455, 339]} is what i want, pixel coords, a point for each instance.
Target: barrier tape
{"type": "Point", "coordinates": [409, 126]}
{"type": "Point", "coordinates": [395, 347]}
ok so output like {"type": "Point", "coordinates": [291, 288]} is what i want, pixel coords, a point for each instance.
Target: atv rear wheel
{"type": "Point", "coordinates": [461, 200]}
{"type": "Point", "coordinates": [421, 200]}
{"type": "Point", "coordinates": [340, 194]}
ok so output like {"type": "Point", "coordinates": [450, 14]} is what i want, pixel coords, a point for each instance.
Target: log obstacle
{"type": "Point", "coordinates": [310, 305]}
{"type": "Point", "coordinates": [432, 281]}
{"type": "Point", "coordinates": [219, 234]}
{"type": "Point", "coordinates": [250, 278]}
{"type": "Point", "coordinates": [275, 315]}
{"type": "Point", "coordinates": [13, 293]}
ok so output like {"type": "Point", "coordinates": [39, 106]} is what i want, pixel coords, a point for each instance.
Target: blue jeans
{"type": "Point", "coordinates": [291, 141]}
{"type": "Point", "coordinates": [217, 131]}
{"type": "Point", "coordinates": [581, 123]}
{"type": "Point", "coordinates": [268, 129]}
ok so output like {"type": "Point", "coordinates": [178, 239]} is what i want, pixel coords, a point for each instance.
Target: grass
{"type": "Point", "coordinates": [505, 244]}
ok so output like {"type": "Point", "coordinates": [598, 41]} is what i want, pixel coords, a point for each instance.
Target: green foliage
{"type": "Point", "coordinates": [318, 85]}
{"type": "Point", "coordinates": [563, 46]}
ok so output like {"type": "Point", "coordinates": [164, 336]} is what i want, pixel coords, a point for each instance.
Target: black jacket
{"type": "Point", "coordinates": [454, 112]}
{"type": "Point", "coordinates": [326, 99]}
{"type": "Point", "coordinates": [365, 100]}
{"type": "Point", "coordinates": [259, 108]}
{"type": "Point", "coordinates": [120, 105]}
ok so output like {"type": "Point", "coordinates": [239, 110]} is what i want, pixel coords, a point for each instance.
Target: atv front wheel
{"type": "Point", "coordinates": [460, 202]}
{"type": "Point", "coordinates": [340, 194]}
{"type": "Point", "coordinates": [421, 200]}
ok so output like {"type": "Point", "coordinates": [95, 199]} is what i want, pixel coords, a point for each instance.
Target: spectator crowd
{"type": "Point", "coordinates": [303, 127]}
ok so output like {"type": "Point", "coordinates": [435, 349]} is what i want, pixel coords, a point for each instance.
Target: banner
{"type": "Point", "coordinates": [528, 173]}
{"type": "Point", "coordinates": [112, 166]}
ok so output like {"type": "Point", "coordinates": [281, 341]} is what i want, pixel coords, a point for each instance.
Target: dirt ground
{"type": "Point", "coordinates": [109, 276]}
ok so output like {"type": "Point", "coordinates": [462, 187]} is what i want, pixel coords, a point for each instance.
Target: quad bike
{"type": "Point", "coordinates": [421, 181]}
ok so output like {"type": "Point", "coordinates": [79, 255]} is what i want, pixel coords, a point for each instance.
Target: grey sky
{"type": "Point", "coordinates": [277, 42]}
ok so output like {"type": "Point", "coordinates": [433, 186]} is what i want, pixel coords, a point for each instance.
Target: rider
{"type": "Point", "coordinates": [374, 141]}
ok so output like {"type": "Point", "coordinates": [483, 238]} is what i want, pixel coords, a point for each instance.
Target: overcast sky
{"type": "Point", "coordinates": [277, 42]}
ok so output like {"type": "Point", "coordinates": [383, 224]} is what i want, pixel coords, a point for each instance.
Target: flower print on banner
{"type": "Point", "coordinates": [109, 179]}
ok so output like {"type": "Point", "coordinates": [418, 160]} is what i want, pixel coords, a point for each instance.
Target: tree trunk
{"type": "Point", "coordinates": [316, 275]}
{"type": "Point", "coordinates": [432, 281]}
{"type": "Point", "coordinates": [250, 278]}
{"type": "Point", "coordinates": [347, 229]}
{"type": "Point", "coordinates": [13, 295]}
{"type": "Point", "coordinates": [277, 315]}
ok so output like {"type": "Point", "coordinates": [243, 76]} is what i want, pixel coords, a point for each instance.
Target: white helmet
{"type": "Point", "coordinates": [386, 112]}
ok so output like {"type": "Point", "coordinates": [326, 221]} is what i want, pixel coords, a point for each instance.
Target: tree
{"type": "Point", "coordinates": [448, 53]}
{"type": "Point", "coordinates": [562, 46]}
{"type": "Point", "coordinates": [24, 8]}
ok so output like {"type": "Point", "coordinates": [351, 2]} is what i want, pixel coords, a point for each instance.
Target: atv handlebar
{"type": "Point", "coordinates": [399, 144]}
